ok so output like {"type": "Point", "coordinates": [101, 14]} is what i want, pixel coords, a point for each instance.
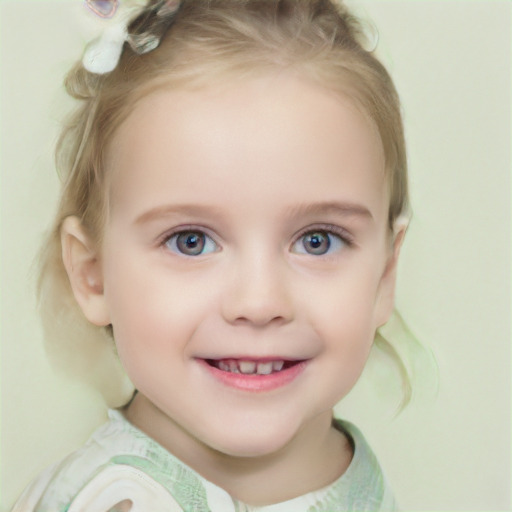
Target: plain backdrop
{"type": "Point", "coordinates": [450, 449]}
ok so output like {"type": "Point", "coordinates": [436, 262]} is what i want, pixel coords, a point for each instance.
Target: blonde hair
{"type": "Point", "coordinates": [208, 40]}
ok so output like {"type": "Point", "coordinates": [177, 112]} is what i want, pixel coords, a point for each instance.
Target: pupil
{"type": "Point", "coordinates": [190, 243]}
{"type": "Point", "coordinates": [317, 243]}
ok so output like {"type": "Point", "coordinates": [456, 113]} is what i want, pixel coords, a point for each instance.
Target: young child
{"type": "Point", "coordinates": [234, 184]}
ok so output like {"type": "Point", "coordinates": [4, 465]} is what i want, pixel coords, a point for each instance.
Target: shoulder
{"type": "Point", "coordinates": [109, 489]}
{"type": "Point", "coordinates": [118, 464]}
{"type": "Point", "coordinates": [92, 466]}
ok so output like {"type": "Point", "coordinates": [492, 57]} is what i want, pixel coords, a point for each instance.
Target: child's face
{"type": "Point", "coordinates": [247, 230]}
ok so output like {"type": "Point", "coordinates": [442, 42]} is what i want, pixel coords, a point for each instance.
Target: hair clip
{"type": "Point", "coordinates": [146, 31]}
{"type": "Point", "coordinates": [143, 33]}
{"type": "Point", "coordinates": [102, 55]}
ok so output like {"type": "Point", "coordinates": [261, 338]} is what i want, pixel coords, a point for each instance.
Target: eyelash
{"type": "Point", "coordinates": [328, 229]}
{"type": "Point", "coordinates": [340, 233]}
{"type": "Point", "coordinates": [168, 237]}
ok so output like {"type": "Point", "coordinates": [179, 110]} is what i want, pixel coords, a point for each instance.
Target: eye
{"type": "Point", "coordinates": [318, 243]}
{"type": "Point", "coordinates": [191, 243]}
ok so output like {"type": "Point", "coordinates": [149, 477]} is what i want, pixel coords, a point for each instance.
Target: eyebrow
{"type": "Point", "coordinates": [332, 207]}
{"type": "Point", "coordinates": [322, 208]}
{"type": "Point", "coordinates": [177, 209]}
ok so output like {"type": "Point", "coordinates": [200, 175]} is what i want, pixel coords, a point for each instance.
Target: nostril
{"type": "Point", "coordinates": [260, 319]}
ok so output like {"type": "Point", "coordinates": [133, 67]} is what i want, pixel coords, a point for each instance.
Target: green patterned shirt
{"type": "Point", "coordinates": [120, 462]}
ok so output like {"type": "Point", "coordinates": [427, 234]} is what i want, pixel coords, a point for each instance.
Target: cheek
{"type": "Point", "coordinates": [347, 328]}
{"type": "Point", "coordinates": [349, 331]}
{"type": "Point", "coordinates": [346, 300]}
{"type": "Point", "coordinates": [153, 312]}
{"type": "Point", "coordinates": [344, 316]}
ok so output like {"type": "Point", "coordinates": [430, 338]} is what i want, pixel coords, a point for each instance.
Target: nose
{"type": "Point", "coordinates": [258, 292]}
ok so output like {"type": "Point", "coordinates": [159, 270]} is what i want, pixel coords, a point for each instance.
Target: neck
{"type": "Point", "coordinates": [314, 458]}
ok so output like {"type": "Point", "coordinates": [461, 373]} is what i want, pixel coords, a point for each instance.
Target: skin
{"type": "Point", "coordinates": [254, 166]}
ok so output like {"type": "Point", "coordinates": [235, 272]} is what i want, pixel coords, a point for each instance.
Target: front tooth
{"type": "Point", "coordinates": [233, 366]}
{"type": "Point", "coordinates": [264, 368]}
{"type": "Point", "coordinates": [247, 367]}
{"type": "Point", "coordinates": [277, 366]}
{"type": "Point", "coordinates": [222, 365]}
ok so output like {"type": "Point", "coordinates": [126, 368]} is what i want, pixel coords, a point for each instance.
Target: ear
{"type": "Point", "coordinates": [386, 293]}
{"type": "Point", "coordinates": [82, 263]}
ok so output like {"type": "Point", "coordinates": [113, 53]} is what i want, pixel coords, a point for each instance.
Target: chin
{"type": "Point", "coordinates": [253, 441]}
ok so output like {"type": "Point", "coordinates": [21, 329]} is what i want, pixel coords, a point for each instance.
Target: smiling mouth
{"type": "Point", "coordinates": [248, 367]}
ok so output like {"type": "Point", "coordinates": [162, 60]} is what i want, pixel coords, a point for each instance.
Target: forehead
{"type": "Point", "coordinates": [275, 136]}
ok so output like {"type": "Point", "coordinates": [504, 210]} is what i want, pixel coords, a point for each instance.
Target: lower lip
{"type": "Point", "coordinates": [253, 382]}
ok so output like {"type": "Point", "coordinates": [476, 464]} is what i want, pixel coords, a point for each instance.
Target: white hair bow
{"type": "Point", "coordinates": [102, 54]}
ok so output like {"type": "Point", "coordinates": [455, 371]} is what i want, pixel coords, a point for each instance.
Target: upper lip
{"type": "Point", "coordinates": [255, 358]}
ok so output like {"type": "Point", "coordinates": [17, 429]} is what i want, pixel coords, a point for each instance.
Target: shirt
{"type": "Point", "coordinates": [120, 462]}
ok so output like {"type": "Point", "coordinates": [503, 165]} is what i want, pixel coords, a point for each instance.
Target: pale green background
{"type": "Point", "coordinates": [451, 62]}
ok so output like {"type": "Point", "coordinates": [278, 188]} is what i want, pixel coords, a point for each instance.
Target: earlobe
{"type": "Point", "coordinates": [386, 298]}
{"type": "Point", "coordinates": [81, 260]}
